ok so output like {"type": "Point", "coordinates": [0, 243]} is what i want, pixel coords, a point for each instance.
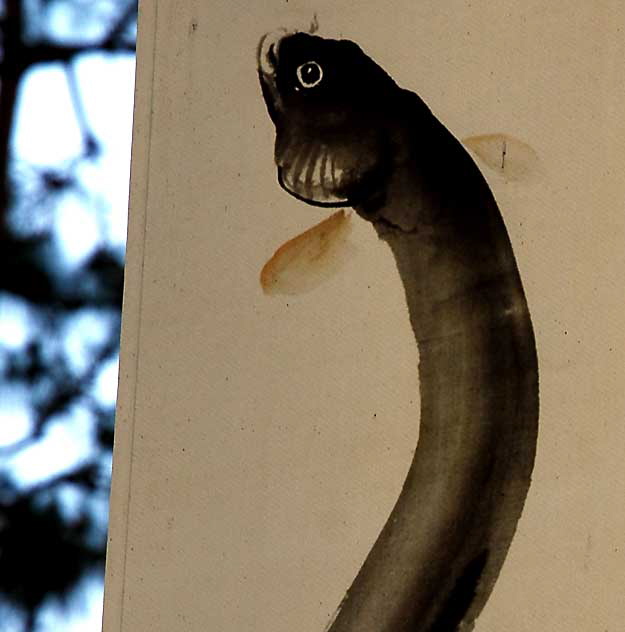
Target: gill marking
{"type": "Point", "coordinates": [312, 164]}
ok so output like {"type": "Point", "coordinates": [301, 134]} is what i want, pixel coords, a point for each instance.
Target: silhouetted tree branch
{"type": "Point", "coordinates": [45, 549]}
{"type": "Point", "coordinates": [11, 32]}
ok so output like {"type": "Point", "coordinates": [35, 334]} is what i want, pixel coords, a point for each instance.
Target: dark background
{"type": "Point", "coordinates": [53, 525]}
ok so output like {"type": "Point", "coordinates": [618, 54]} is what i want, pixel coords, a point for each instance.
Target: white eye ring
{"type": "Point", "coordinates": [304, 81]}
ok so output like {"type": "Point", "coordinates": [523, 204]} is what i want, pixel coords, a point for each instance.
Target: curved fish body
{"type": "Point", "coordinates": [348, 135]}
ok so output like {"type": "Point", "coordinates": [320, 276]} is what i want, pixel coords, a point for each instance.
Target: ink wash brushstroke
{"type": "Point", "coordinates": [348, 135]}
{"type": "Point", "coordinates": [299, 265]}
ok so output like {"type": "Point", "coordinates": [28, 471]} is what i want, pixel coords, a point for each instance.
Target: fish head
{"type": "Point", "coordinates": [330, 105]}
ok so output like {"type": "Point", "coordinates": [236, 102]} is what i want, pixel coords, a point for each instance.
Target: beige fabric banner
{"type": "Point", "coordinates": [262, 439]}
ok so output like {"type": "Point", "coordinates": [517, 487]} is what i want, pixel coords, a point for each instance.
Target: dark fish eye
{"type": "Point", "coordinates": [309, 74]}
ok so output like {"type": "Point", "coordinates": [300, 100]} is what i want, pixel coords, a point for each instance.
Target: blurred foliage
{"type": "Point", "coordinates": [53, 531]}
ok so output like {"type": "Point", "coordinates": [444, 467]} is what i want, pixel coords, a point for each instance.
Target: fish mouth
{"type": "Point", "coordinates": [267, 60]}
{"type": "Point", "coordinates": [267, 53]}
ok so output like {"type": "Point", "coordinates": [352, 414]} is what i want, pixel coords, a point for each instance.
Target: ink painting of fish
{"type": "Point", "coordinates": [348, 136]}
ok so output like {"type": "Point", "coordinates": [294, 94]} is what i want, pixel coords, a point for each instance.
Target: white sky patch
{"type": "Point", "coordinates": [90, 20]}
{"type": "Point", "coordinates": [85, 332]}
{"type": "Point", "coordinates": [12, 623]}
{"type": "Point", "coordinates": [65, 444]}
{"type": "Point", "coordinates": [46, 130]}
{"type": "Point", "coordinates": [45, 111]}
{"type": "Point", "coordinates": [105, 388]}
{"type": "Point", "coordinates": [99, 508]}
{"type": "Point", "coordinates": [106, 461]}
{"type": "Point", "coordinates": [77, 229]}
{"type": "Point", "coordinates": [84, 612]}
{"type": "Point", "coordinates": [15, 421]}
{"type": "Point", "coordinates": [71, 500]}
{"type": "Point", "coordinates": [15, 324]}
{"type": "Point", "coordinates": [111, 121]}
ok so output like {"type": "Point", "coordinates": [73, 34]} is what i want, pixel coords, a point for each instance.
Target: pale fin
{"type": "Point", "coordinates": [508, 156]}
{"type": "Point", "coordinates": [309, 259]}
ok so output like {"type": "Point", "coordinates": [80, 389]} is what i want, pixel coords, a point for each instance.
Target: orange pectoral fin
{"type": "Point", "coordinates": [307, 260]}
